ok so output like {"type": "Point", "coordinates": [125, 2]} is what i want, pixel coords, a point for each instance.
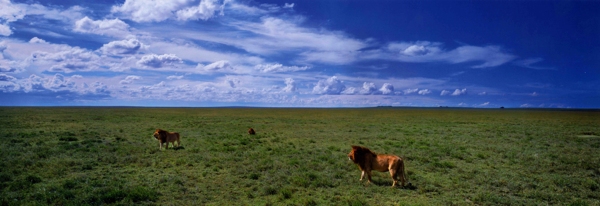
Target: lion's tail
{"type": "Point", "coordinates": [178, 140]}
{"type": "Point", "coordinates": [404, 172]}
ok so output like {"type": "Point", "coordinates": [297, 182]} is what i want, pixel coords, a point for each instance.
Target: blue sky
{"type": "Point", "coordinates": [330, 53]}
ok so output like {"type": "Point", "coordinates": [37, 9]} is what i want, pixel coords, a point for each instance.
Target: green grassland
{"type": "Point", "coordinates": [98, 156]}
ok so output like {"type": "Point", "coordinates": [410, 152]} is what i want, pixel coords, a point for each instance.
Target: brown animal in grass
{"type": "Point", "coordinates": [165, 137]}
{"type": "Point", "coordinates": [251, 131]}
{"type": "Point", "coordinates": [368, 160]}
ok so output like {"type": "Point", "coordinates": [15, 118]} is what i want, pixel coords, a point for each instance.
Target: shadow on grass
{"type": "Point", "coordinates": [173, 148]}
{"type": "Point", "coordinates": [409, 186]}
{"type": "Point", "coordinates": [382, 183]}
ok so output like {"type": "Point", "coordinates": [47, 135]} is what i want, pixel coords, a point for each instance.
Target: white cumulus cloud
{"type": "Point", "coordinates": [61, 58]}
{"type": "Point", "coordinates": [458, 92]}
{"type": "Point", "coordinates": [290, 85]}
{"type": "Point", "coordinates": [218, 66]}
{"type": "Point", "coordinates": [331, 85]}
{"type": "Point", "coordinates": [129, 79]}
{"type": "Point", "coordinates": [444, 92]}
{"type": "Point", "coordinates": [160, 10]}
{"type": "Point", "coordinates": [36, 40]}
{"type": "Point", "coordinates": [424, 92]}
{"type": "Point", "coordinates": [58, 82]}
{"type": "Point", "coordinates": [157, 61]}
{"type": "Point", "coordinates": [410, 91]}
{"type": "Point", "coordinates": [129, 46]}
{"type": "Point", "coordinates": [387, 88]}
{"type": "Point", "coordinates": [205, 10]}
{"type": "Point", "coordinates": [148, 11]}
{"type": "Point", "coordinates": [110, 27]}
{"type": "Point", "coordinates": [368, 88]}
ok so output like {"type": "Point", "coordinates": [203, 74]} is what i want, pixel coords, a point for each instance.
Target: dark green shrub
{"type": "Point", "coordinates": [68, 139]}
{"type": "Point", "coordinates": [356, 202]}
{"type": "Point", "coordinates": [269, 190]}
{"type": "Point", "coordinates": [310, 202]}
{"type": "Point", "coordinates": [139, 194]}
{"type": "Point", "coordinates": [69, 184]}
{"type": "Point", "coordinates": [33, 179]}
{"type": "Point", "coordinates": [254, 176]}
{"type": "Point", "coordinates": [286, 193]}
{"type": "Point", "coordinates": [112, 196]}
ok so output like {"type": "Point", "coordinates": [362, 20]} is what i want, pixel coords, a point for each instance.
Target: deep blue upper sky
{"type": "Point", "coordinates": [331, 53]}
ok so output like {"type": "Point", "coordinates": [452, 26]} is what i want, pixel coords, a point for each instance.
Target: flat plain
{"type": "Point", "coordinates": [102, 155]}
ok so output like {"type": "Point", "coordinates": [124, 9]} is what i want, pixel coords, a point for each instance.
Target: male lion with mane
{"type": "Point", "coordinates": [165, 137]}
{"type": "Point", "coordinates": [368, 160]}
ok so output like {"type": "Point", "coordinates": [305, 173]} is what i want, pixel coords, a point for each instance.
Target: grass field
{"type": "Point", "coordinates": [97, 156]}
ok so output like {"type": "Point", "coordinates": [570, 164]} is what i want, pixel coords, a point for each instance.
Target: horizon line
{"type": "Point", "coordinates": [276, 107]}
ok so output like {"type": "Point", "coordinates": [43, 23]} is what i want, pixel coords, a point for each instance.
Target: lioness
{"type": "Point", "coordinates": [368, 161]}
{"type": "Point", "coordinates": [251, 131]}
{"type": "Point", "coordinates": [165, 137]}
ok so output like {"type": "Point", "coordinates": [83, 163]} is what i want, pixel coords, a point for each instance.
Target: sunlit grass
{"type": "Point", "coordinates": [75, 156]}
